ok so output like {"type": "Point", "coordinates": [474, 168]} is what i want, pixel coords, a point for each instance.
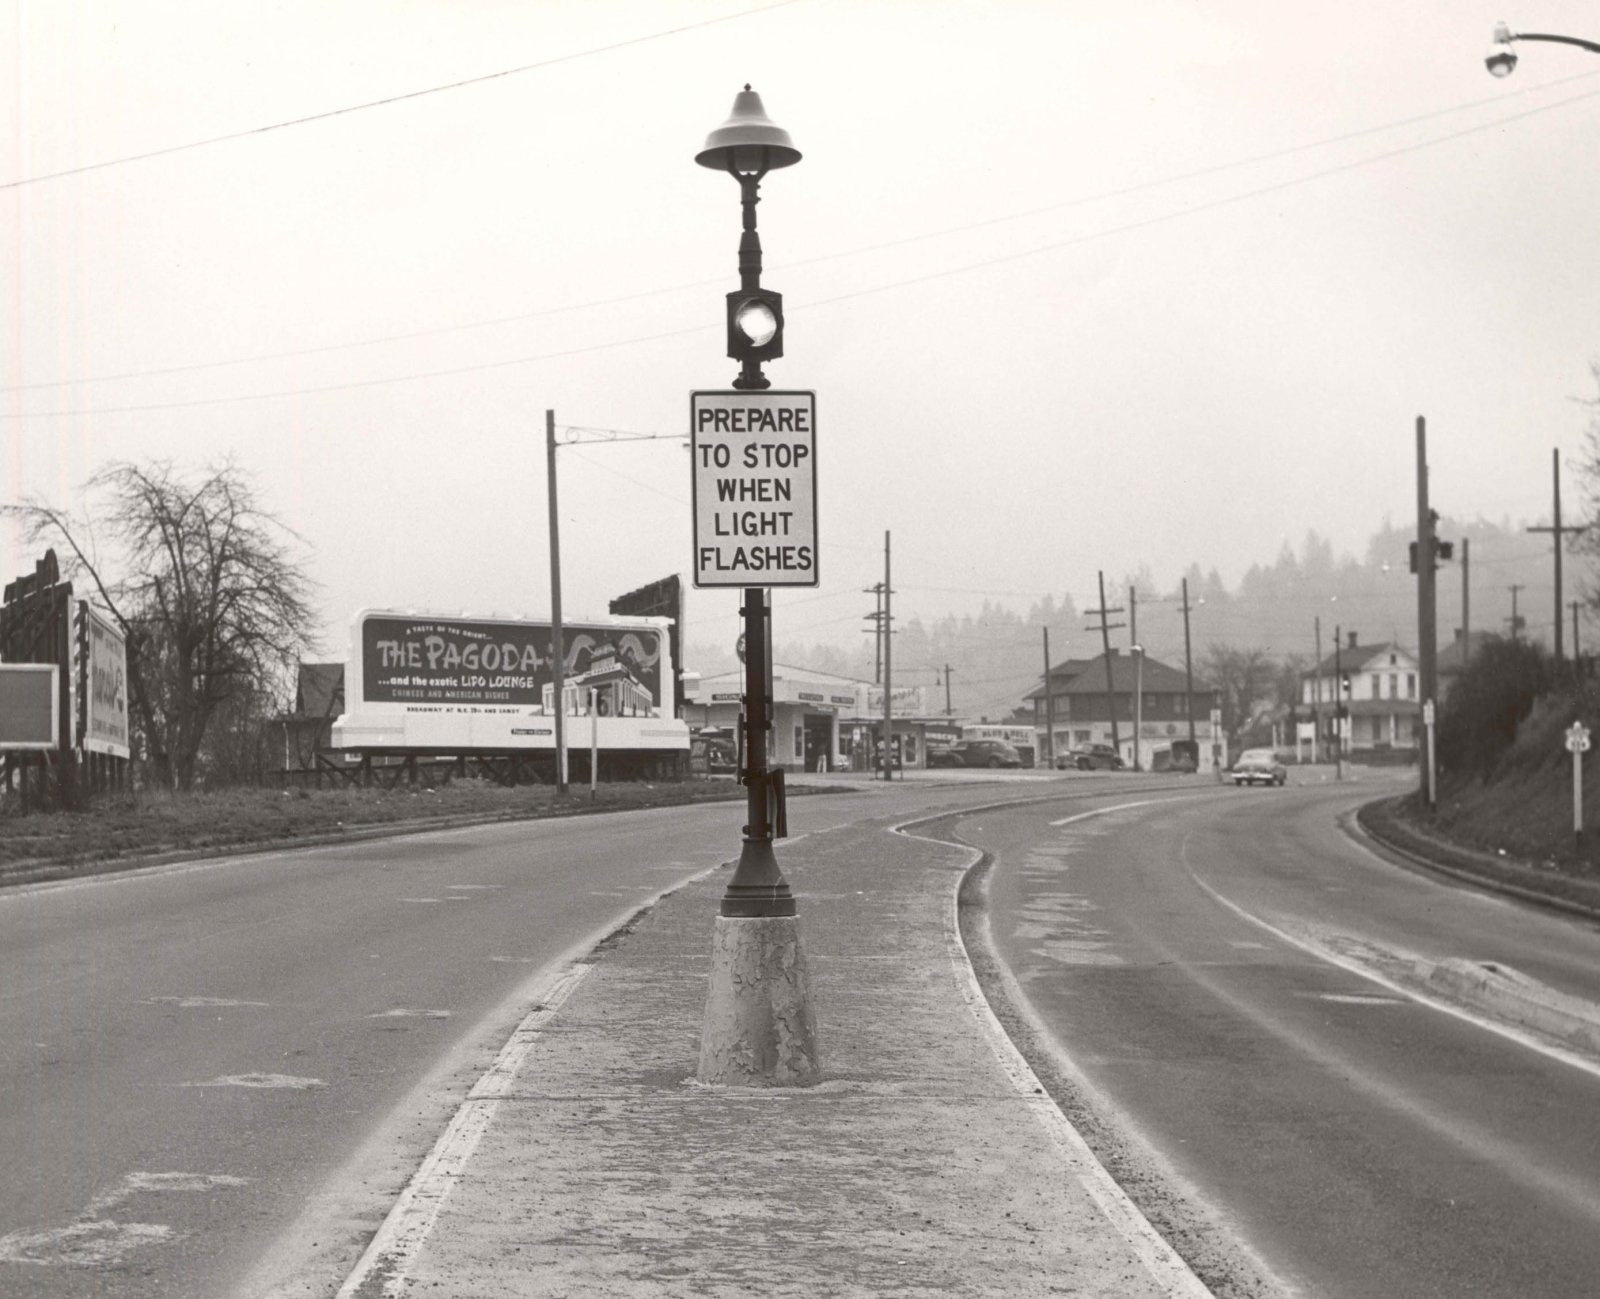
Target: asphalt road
{"type": "Point", "coordinates": [1213, 970]}
{"type": "Point", "coordinates": [216, 1076]}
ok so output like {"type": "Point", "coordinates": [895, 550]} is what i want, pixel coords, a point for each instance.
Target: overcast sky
{"type": "Point", "coordinates": [1079, 287]}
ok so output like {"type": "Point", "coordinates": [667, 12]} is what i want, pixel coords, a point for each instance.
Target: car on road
{"type": "Point", "coordinates": [975, 753]}
{"type": "Point", "coordinates": [1090, 757]}
{"type": "Point", "coordinates": [1258, 767]}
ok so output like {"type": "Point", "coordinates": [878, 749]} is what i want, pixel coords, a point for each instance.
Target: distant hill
{"type": "Point", "coordinates": [996, 655]}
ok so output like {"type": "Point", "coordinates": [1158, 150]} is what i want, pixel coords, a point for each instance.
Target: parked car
{"type": "Point", "coordinates": [717, 748]}
{"type": "Point", "coordinates": [1089, 757]}
{"type": "Point", "coordinates": [1258, 767]}
{"type": "Point", "coordinates": [975, 753]}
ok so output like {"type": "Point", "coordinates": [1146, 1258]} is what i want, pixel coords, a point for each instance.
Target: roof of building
{"type": "Point", "coordinates": [1356, 658]}
{"type": "Point", "coordinates": [1088, 677]}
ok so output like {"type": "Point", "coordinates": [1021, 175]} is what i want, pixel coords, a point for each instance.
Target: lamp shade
{"type": "Point", "coordinates": [749, 140]}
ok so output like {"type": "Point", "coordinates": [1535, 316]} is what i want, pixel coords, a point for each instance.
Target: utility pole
{"type": "Point", "coordinates": [1316, 693]}
{"type": "Point", "coordinates": [1338, 707]}
{"type": "Point", "coordinates": [1049, 708]}
{"type": "Point", "coordinates": [1556, 532]}
{"type": "Point", "coordinates": [948, 711]}
{"type": "Point", "coordinates": [1427, 611]}
{"type": "Point", "coordinates": [1188, 674]}
{"type": "Point", "coordinates": [1577, 654]}
{"type": "Point", "coordinates": [1466, 603]}
{"type": "Point", "coordinates": [1516, 621]}
{"type": "Point", "coordinates": [558, 660]}
{"type": "Point", "coordinates": [1106, 629]}
{"type": "Point", "coordinates": [888, 675]}
{"type": "Point", "coordinates": [876, 619]}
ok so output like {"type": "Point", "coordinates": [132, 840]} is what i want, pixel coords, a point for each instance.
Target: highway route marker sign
{"type": "Point", "coordinates": [754, 488]}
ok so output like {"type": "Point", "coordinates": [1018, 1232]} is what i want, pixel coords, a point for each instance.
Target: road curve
{"type": "Point", "coordinates": [1243, 986]}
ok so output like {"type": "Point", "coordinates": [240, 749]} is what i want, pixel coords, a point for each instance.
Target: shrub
{"type": "Point", "coordinates": [1478, 723]}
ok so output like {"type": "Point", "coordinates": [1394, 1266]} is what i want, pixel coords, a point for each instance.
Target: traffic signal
{"type": "Point", "coordinates": [755, 325]}
{"type": "Point", "coordinates": [1441, 550]}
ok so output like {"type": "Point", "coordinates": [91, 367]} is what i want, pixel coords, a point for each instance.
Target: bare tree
{"type": "Point", "coordinates": [1244, 677]}
{"type": "Point", "coordinates": [201, 581]}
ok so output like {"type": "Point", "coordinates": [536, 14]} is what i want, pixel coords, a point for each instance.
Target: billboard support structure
{"type": "Point", "coordinates": [36, 627]}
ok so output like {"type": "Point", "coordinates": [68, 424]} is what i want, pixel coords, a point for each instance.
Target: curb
{"type": "Point", "coordinates": [1512, 877]}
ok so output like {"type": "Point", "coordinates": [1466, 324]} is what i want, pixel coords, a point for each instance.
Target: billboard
{"type": "Point", "coordinates": [427, 681]}
{"type": "Point", "coordinates": [102, 684]}
{"type": "Point", "coordinates": [28, 711]}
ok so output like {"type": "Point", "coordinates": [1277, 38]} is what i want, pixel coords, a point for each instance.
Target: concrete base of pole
{"type": "Point", "coordinates": [759, 1030]}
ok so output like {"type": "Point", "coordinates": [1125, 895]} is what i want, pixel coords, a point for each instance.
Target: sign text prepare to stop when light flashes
{"type": "Point", "coordinates": [755, 488]}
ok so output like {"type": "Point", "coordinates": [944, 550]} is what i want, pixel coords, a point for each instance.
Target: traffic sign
{"type": "Point", "coordinates": [754, 485]}
{"type": "Point", "coordinates": [1577, 738]}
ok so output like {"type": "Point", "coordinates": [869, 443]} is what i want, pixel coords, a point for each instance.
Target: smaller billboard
{"type": "Point", "coordinates": [102, 683]}
{"type": "Point", "coordinates": [29, 712]}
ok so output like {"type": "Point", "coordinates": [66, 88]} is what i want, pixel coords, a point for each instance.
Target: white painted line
{"type": "Point", "coordinates": [261, 1080]}
{"type": "Point", "coordinates": [1124, 807]}
{"type": "Point", "coordinates": [406, 1012]}
{"type": "Point", "coordinates": [1165, 1266]}
{"type": "Point", "coordinates": [193, 1003]}
{"type": "Point", "coordinates": [400, 1239]}
{"type": "Point", "coordinates": [1322, 953]}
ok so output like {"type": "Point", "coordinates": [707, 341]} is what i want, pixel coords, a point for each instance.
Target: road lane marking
{"type": "Point", "coordinates": [1123, 807]}
{"type": "Point", "coordinates": [1324, 953]}
{"type": "Point", "coordinates": [193, 1003]}
{"type": "Point", "coordinates": [263, 1081]}
{"type": "Point", "coordinates": [407, 1012]}
{"type": "Point", "coordinates": [394, 1249]}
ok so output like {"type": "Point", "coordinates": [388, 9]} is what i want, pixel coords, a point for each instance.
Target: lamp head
{"type": "Point", "coordinates": [749, 141]}
{"type": "Point", "coordinates": [1502, 59]}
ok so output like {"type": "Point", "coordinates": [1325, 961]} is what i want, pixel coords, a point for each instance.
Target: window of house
{"type": "Point", "coordinates": [1377, 686]}
{"type": "Point", "coordinates": [1411, 685]}
{"type": "Point", "coordinates": [1394, 685]}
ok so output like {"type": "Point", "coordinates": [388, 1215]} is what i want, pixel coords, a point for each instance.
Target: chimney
{"type": "Point", "coordinates": [1352, 640]}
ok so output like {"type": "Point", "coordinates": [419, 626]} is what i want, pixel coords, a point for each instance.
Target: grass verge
{"type": "Point", "coordinates": [118, 832]}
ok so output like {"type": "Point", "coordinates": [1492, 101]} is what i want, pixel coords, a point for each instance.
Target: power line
{"type": "Point", "coordinates": [965, 268]}
{"type": "Point", "coordinates": [923, 236]}
{"type": "Point", "coordinates": [170, 149]}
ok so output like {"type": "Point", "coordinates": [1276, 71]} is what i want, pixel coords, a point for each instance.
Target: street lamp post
{"type": "Point", "coordinates": [1138, 702]}
{"type": "Point", "coordinates": [759, 1027]}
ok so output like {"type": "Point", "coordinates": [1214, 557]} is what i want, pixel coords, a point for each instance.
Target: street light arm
{"type": "Point", "coordinates": [1592, 46]}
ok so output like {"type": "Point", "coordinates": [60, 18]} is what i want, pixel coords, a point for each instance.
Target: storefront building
{"type": "Point", "coordinates": [823, 722]}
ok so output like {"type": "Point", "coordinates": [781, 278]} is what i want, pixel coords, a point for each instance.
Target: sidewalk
{"type": "Point", "coordinates": [925, 1163]}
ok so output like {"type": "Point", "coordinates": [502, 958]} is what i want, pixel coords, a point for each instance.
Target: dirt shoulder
{"type": "Point", "coordinates": [121, 832]}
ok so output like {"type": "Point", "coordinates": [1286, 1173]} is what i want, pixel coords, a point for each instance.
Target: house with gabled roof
{"type": "Point", "coordinates": [1381, 689]}
{"type": "Point", "coordinates": [1153, 704]}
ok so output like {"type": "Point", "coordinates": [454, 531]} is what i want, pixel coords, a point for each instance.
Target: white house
{"type": "Point", "coordinates": [1381, 688]}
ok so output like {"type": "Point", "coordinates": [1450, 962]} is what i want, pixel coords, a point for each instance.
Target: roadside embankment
{"type": "Point", "coordinates": [1568, 884]}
